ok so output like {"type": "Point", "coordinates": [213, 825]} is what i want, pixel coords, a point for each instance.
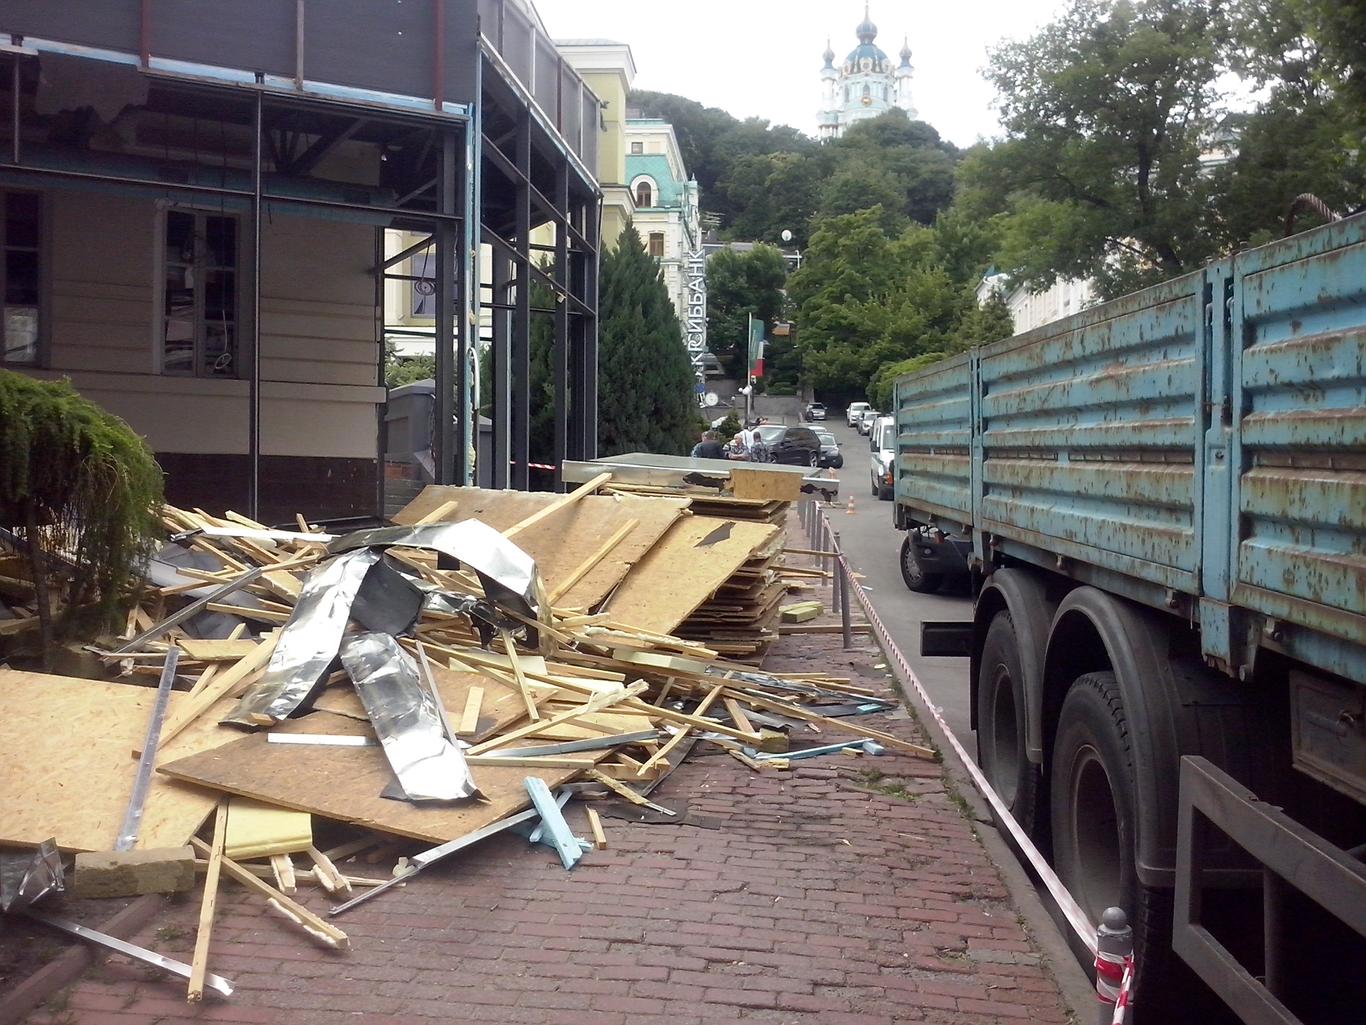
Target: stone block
{"type": "Point", "coordinates": [130, 873]}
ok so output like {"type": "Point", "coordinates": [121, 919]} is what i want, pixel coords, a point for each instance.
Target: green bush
{"type": "Point", "coordinates": [81, 483]}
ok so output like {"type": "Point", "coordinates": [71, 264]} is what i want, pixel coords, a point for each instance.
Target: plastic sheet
{"type": "Point", "coordinates": [405, 718]}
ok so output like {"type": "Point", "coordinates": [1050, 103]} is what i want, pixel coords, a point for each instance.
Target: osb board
{"type": "Point", "coordinates": [67, 765]}
{"type": "Point", "coordinates": [501, 705]}
{"type": "Point", "coordinates": [344, 783]}
{"type": "Point", "coordinates": [689, 564]}
{"type": "Point", "coordinates": [765, 484]}
{"type": "Point", "coordinates": [565, 541]}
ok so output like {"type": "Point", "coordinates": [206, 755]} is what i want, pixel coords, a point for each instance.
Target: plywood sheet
{"type": "Point", "coordinates": [67, 767]}
{"type": "Point", "coordinates": [566, 540]}
{"type": "Point", "coordinates": [689, 564]}
{"type": "Point", "coordinates": [344, 783]}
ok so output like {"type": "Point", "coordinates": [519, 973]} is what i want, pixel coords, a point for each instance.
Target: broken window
{"type": "Point", "coordinates": [20, 231]}
{"type": "Point", "coordinates": [199, 323]}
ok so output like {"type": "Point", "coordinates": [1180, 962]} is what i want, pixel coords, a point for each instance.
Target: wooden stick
{"type": "Point", "coordinates": [595, 824]}
{"type": "Point", "coordinates": [797, 712]}
{"type": "Point", "coordinates": [469, 718]}
{"type": "Point", "coordinates": [678, 737]}
{"type": "Point", "coordinates": [323, 931]}
{"type": "Point", "coordinates": [441, 511]}
{"type": "Point", "coordinates": [622, 790]}
{"type": "Point", "coordinates": [352, 847]}
{"type": "Point", "coordinates": [516, 663]}
{"type": "Point", "coordinates": [588, 565]}
{"type": "Point", "coordinates": [737, 715]}
{"type": "Point", "coordinates": [196, 706]}
{"type": "Point", "coordinates": [531, 762]}
{"type": "Point", "coordinates": [579, 493]}
{"type": "Point", "coordinates": [331, 880]}
{"type": "Point", "coordinates": [200, 965]}
{"type": "Point", "coordinates": [282, 867]}
{"type": "Point", "coordinates": [597, 703]}
{"type": "Point", "coordinates": [809, 551]}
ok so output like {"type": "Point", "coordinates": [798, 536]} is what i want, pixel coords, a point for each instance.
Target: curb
{"type": "Point", "coordinates": [48, 980]}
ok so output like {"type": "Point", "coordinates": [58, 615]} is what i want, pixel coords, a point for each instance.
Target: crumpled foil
{"type": "Point", "coordinates": [406, 720]}
{"type": "Point", "coordinates": [27, 876]}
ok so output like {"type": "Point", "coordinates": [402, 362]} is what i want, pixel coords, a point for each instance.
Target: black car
{"type": "Point", "coordinates": [830, 450]}
{"type": "Point", "coordinates": [796, 446]}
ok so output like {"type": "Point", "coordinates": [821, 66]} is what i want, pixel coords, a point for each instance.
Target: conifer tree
{"type": "Point", "coordinates": [645, 382]}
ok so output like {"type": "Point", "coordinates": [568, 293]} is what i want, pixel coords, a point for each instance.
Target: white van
{"type": "Point", "coordinates": [854, 412]}
{"type": "Point", "coordinates": [882, 464]}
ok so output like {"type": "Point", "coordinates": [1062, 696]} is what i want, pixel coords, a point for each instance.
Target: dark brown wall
{"type": "Point", "coordinates": [316, 486]}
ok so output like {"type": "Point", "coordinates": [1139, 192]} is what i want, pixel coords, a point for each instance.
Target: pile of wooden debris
{"type": "Point", "coordinates": [323, 698]}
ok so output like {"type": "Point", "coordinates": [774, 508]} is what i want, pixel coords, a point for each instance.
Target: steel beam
{"type": "Point", "coordinates": [254, 385]}
{"type": "Point", "coordinates": [443, 435]}
{"type": "Point", "coordinates": [501, 385]}
{"type": "Point", "coordinates": [521, 319]}
{"type": "Point", "coordinates": [560, 360]}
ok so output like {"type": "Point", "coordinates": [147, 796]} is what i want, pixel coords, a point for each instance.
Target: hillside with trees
{"type": "Point", "coordinates": [1127, 156]}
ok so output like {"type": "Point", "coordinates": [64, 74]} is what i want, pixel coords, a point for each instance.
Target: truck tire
{"type": "Point", "coordinates": [915, 577]}
{"type": "Point", "coordinates": [1001, 721]}
{"type": "Point", "coordinates": [1094, 816]}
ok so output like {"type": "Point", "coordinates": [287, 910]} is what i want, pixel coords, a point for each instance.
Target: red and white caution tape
{"type": "Point", "coordinates": [1071, 910]}
{"type": "Point", "coordinates": [1114, 982]}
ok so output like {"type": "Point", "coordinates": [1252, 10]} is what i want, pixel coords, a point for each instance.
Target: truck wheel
{"type": "Point", "coordinates": [916, 578]}
{"type": "Point", "coordinates": [1001, 712]}
{"type": "Point", "coordinates": [884, 494]}
{"type": "Point", "coordinates": [1092, 795]}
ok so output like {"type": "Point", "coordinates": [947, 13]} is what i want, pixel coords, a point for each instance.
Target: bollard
{"type": "Point", "coordinates": [837, 581]}
{"type": "Point", "coordinates": [801, 512]}
{"type": "Point", "coordinates": [846, 579]}
{"type": "Point", "coordinates": [1114, 948]}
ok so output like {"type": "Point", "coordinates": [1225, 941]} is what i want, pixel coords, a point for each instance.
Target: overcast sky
{"type": "Point", "coordinates": [762, 58]}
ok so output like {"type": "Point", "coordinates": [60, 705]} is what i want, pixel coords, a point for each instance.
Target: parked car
{"type": "Point", "coordinates": [866, 420]}
{"type": "Point", "coordinates": [796, 446]}
{"type": "Point", "coordinates": [831, 455]}
{"type": "Point", "coordinates": [882, 464]}
{"type": "Point", "coordinates": [854, 412]}
{"type": "Point", "coordinates": [814, 411]}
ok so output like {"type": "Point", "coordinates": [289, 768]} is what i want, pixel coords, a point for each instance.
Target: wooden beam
{"type": "Point", "coordinates": [510, 647]}
{"type": "Point", "coordinates": [469, 718]}
{"type": "Point", "coordinates": [595, 824]}
{"type": "Point", "coordinates": [678, 737]}
{"type": "Point", "coordinates": [200, 965]}
{"type": "Point", "coordinates": [579, 493]}
{"type": "Point", "coordinates": [588, 564]}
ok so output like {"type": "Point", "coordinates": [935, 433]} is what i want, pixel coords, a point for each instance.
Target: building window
{"type": "Point", "coordinates": [657, 244]}
{"type": "Point", "coordinates": [199, 323]}
{"type": "Point", "coordinates": [20, 231]}
{"type": "Point", "coordinates": [637, 148]}
{"type": "Point", "coordinates": [644, 195]}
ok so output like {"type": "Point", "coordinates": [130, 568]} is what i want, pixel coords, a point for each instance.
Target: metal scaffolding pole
{"type": "Point", "coordinates": [254, 386]}
{"type": "Point", "coordinates": [521, 320]}
{"type": "Point", "coordinates": [500, 387]}
{"type": "Point", "coordinates": [561, 351]}
{"type": "Point", "coordinates": [587, 357]}
{"type": "Point", "coordinates": [444, 435]}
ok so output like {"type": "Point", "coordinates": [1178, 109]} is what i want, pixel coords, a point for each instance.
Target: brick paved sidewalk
{"type": "Point", "coordinates": [851, 891]}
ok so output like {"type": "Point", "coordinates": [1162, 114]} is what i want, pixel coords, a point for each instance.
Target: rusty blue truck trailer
{"type": "Point", "coordinates": [1165, 499]}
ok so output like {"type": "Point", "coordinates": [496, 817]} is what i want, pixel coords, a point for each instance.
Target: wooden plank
{"type": "Point", "coordinates": [326, 872]}
{"type": "Point", "coordinates": [687, 566]}
{"type": "Point", "coordinates": [444, 511]}
{"type": "Point", "coordinates": [282, 868]}
{"type": "Point", "coordinates": [510, 647]}
{"type": "Point", "coordinates": [469, 718]}
{"type": "Point", "coordinates": [561, 503]}
{"type": "Point", "coordinates": [200, 965]}
{"type": "Point", "coordinates": [563, 587]}
{"type": "Point", "coordinates": [344, 783]}
{"type": "Point", "coordinates": [845, 724]}
{"type": "Point", "coordinates": [68, 741]}
{"type": "Point", "coordinates": [316, 927]}
{"type": "Point", "coordinates": [595, 824]}
{"type": "Point", "coordinates": [678, 737]}
{"type": "Point", "coordinates": [220, 688]}
{"type": "Point", "coordinates": [564, 543]}
{"type": "Point", "coordinates": [737, 715]}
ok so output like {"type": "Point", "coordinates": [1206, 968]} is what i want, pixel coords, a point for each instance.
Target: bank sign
{"type": "Point", "coordinates": [695, 316]}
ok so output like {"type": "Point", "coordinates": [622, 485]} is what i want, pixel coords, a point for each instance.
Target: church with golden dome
{"type": "Point", "coordinates": [866, 84]}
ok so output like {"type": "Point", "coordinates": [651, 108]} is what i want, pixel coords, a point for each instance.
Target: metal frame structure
{"type": "Point", "coordinates": [297, 118]}
{"type": "Point", "coordinates": [1290, 858]}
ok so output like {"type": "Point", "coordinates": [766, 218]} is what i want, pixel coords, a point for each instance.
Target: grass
{"type": "Point", "coordinates": [879, 783]}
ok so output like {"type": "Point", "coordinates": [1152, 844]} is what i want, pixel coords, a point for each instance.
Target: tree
{"type": "Point", "coordinates": [1106, 111]}
{"type": "Point", "coordinates": [980, 325]}
{"type": "Point", "coordinates": [741, 285]}
{"type": "Point", "coordinates": [916, 161]}
{"type": "Point", "coordinates": [865, 299]}
{"type": "Point", "coordinates": [401, 370]}
{"type": "Point", "coordinates": [880, 389]}
{"type": "Point", "coordinates": [645, 392]}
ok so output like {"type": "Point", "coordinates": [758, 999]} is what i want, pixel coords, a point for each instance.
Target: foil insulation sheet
{"type": "Point", "coordinates": [429, 767]}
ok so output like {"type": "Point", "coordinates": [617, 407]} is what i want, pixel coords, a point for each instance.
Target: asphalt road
{"type": "Point", "coordinates": [873, 546]}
